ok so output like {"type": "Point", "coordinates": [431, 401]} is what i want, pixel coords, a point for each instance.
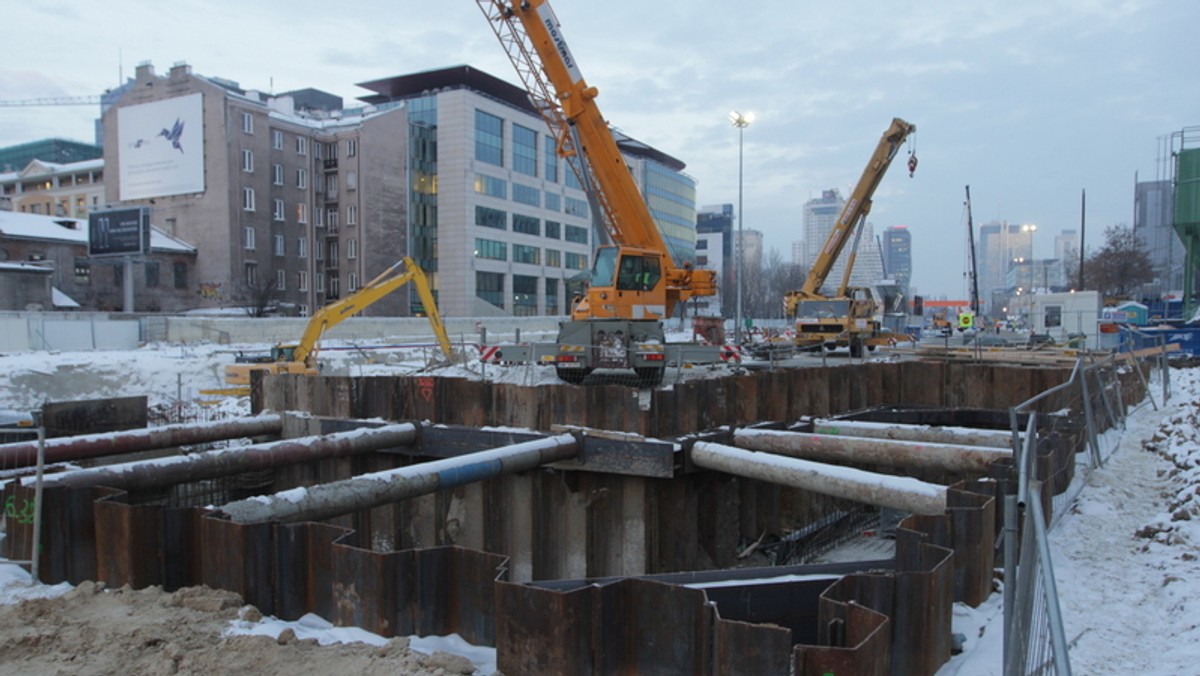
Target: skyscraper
{"type": "Point", "coordinates": [897, 256]}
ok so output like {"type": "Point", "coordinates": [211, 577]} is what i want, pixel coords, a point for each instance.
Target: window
{"type": "Point", "coordinates": [351, 249]}
{"type": "Point", "coordinates": [527, 254]}
{"type": "Point", "coordinates": [331, 219]}
{"type": "Point", "coordinates": [334, 285]}
{"type": "Point", "coordinates": [279, 248]}
{"type": "Point", "coordinates": [351, 180]}
{"type": "Point", "coordinates": [304, 309]}
{"type": "Point", "coordinates": [181, 276]}
{"type": "Point", "coordinates": [553, 229]}
{"type": "Point", "coordinates": [576, 261]}
{"type": "Point", "coordinates": [302, 281]}
{"type": "Point", "coordinates": [301, 145]}
{"type": "Point", "coordinates": [351, 147]}
{"type": "Point", "coordinates": [281, 279]}
{"type": "Point", "coordinates": [551, 296]}
{"type": "Point", "coordinates": [277, 174]}
{"type": "Point", "coordinates": [553, 258]}
{"type": "Point", "coordinates": [301, 212]}
{"type": "Point", "coordinates": [333, 253]}
{"type": "Point", "coordinates": [277, 210]}
{"type": "Point", "coordinates": [276, 139]}
{"type": "Point", "coordinates": [491, 218]}
{"type": "Point", "coordinates": [525, 296]}
{"type": "Point", "coordinates": [491, 249]}
{"type": "Point", "coordinates": [527, 195]}
{"type": "Point", "coordinates": [83, 270]}
{"type": "Point", "coordinates": [526, 224]}
{"type": "Point", "coordinates": [251, 275]}
{"type": "Point", "coordinates": [247, 123]}
{"type": "Point", "coordinates": [302, 179]}
{"type": "Point", "coordinates": [553, 201]}
{"type": "Point", "coordinates": [248, 199]}
{"type": "Point", "coordinates": [319, 247]}
{"type": "Point", "coordinates": [248, 161]}
{"type": "Point", "coordinates": [321, 282]}
{"type": "Point", "coordinates": [352, 282]}
{"type": "Point", "coordinates": [570, 179]}
{"type": "Point", "coordinates": [525, 159]}
{"type": "Point", "coordinates": [320, 214]}
{"type": "Point", "coordinates": [577, 234]}
{"type": "Point", "coordinates": [577, 207]}
{"type": "Point", "coordinates": [1053, 316]}
{"type": "Point", "coordinates": [352, 215]}
{"type": "Point", "coordinates": [491, 186]}
{"type": "Point", "coordinates": [701, 245]}
{"type": "Point", "coordinates": [551, 159]}
{"type": "Point", "coordinates": [489, 286]}
{"type": "Point", "coordinates": [301, 247]}
{"type": "Point", "coordinates": [489, 140]}
{"type": "Point", "coordinates": [248, 242]}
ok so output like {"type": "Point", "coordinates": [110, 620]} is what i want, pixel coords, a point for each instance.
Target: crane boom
{"type": "Point", "coordinates": [637, 278]}
{"type": "Point", "coordinates": [856, 209]}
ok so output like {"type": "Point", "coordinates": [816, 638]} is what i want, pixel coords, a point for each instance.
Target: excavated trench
{"type": "Point", "coordinates": [584, 529]}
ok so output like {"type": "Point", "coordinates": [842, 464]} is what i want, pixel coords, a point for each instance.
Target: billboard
{"type": "Point", "coordinates": [161, 148]}
{"type": "Point", "coordinates": [119, 232]}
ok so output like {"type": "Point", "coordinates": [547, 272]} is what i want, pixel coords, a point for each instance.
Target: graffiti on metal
{"type": "Point", "coordinates": [22, 513]}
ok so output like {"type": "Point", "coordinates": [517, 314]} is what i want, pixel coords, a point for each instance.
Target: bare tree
{"type": "Point", "coordinates": [258, 295]}
{"type": "Point", "coordinates": [1121, 266]}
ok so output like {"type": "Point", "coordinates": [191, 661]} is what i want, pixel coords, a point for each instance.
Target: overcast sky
{"type": "Point", "coordinates": [1028, 102]}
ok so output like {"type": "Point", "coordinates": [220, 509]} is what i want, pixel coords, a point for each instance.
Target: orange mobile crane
{"type": "Point", "coordinates": [847, 317]}
{"type": "Point", "coordinates": [635, 284]}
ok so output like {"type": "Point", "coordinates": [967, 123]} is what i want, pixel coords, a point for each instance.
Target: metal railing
{"type": "Point", "coordinates": [1088, 411]}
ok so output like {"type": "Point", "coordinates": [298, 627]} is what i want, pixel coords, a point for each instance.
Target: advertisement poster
{"type": "Point", "coordinates": [161, 148]}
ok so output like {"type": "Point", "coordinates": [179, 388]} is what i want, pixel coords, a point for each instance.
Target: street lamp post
{"type": "Point", "coordinates": [741, 121]}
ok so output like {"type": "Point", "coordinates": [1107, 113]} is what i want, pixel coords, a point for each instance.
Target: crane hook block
{"type": "Point", "coordinates": [912, 164]}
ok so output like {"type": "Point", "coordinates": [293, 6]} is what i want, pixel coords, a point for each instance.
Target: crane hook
{"type": "Point", "coordinates": [912, 164]}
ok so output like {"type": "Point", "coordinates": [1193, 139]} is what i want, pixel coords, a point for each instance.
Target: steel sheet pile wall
{"type": "Point", "coordinates": [694, 405]}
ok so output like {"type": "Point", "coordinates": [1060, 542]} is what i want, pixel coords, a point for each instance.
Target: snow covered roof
{"type": "Point", "coordinates": [19, 225]}
{"type": "Point", "coordinates": [60, 299]}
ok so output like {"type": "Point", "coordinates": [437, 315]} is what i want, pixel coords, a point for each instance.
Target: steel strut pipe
{"type": "Point", "coordinates": [832, 448]}
{"type": "Point", "coordinates": [177, 469]}
{"type": "Point", "coordinates": [962, 436]}
{"type": "Point", "coordinates": [323, 501]}
{"type": "Point", "coordinates": [902, 493]}
{"type": "Point", "coordinates": [68, 449]}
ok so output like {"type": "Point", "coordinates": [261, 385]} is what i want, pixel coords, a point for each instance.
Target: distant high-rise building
{"type": "Point", "coordinates": [1153, 224]}
{"type": "Point", "coordinates": [798, 252]}
{"type": "Point", "coordinates": [1000, 246]}
{"type": "Point", "coordinates": [897, 256]}
{"type": "Point", "coordinates": [820, 215]}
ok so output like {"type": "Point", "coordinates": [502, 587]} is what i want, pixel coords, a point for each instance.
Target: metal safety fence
{"type": "Point", "coordinates": [1089, 415]}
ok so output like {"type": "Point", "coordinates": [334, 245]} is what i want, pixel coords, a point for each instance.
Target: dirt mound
{"type": "Point", "coordinates": [94, 630]}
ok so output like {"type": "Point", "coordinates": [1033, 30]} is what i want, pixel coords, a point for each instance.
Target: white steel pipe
{"type": "Point", "coordinates": [314, 503]}
{"type": "Point", "coordinates": [962, 436]}
{"type": "Point", "coordinates": [883, 490]}
{"type": "Point", "coordinates": [848, 450]}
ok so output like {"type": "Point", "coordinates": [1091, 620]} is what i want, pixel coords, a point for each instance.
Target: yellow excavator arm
{"type": "Point", "coordinates": [301, 357]}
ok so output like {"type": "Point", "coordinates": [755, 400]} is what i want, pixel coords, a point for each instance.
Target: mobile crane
{"type": "Point", "coordinates": [635, 284]}
{"type": "Point", "coordinates": [846, 318]}
{"type": "Point", "coordinates": [301, 357]}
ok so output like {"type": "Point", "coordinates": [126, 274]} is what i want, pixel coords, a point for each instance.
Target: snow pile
{"type": "Point", "coordinates": [1178, 442]}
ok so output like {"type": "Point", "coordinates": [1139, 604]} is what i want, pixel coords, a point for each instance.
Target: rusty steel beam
{"type": "Point", "coordinates": [178, 469]}
{"type": "Point", "coordinates": [323, 501]}
{"type": "Point", "coordinates": [884, 490]}
{"type": "Point", "coordinates": [69, 449]}
{"type": "Point", "coordinates": [841, 449]}
{"type": "Point", "coordinates": [963, 436]}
